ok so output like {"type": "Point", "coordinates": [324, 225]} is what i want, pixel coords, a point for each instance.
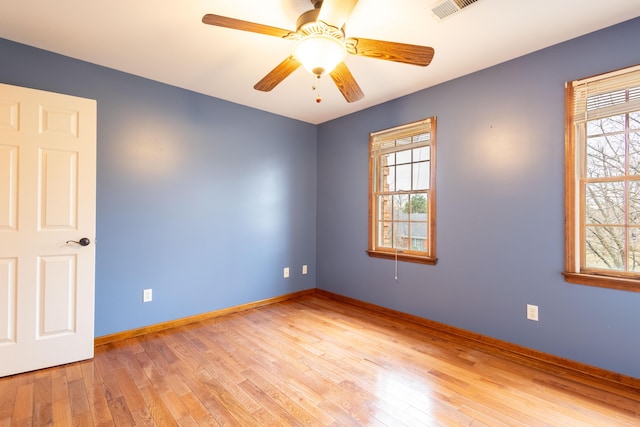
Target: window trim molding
{"type": "Point", "coordinates": [610, 282]}
{"type": "Point", "coordinates": [401, 256]}
{"type": "Point", "coordinates": [407, 255]}
{"type": "Point", "coordinates": [572, 202]}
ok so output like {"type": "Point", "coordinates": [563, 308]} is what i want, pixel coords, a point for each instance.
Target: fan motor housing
{"type": "Point", "coordinates": [308, 24]}
{"type": "Point", "coordinates": [307, 19]}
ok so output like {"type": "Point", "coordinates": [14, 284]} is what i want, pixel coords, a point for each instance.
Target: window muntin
{"type": "Point", "coordinates": [603, 180]}
{"type": "Point", "coordinates": [402, 193]}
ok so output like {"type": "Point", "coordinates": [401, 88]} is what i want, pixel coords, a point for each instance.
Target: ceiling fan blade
{"type": "Point", "coordinates": [336, 12]}
{"type": "Point", "coordinates": [346, 83]}
{"type": "Point", "coordinates": [237, 24]}
{"type": "Point", "coordinates": [391, 51]}
{"type": "Point", "coordinates": [277, 75]}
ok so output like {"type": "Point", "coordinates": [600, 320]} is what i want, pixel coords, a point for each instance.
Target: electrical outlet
{"type": "Point", "coordinates": [304, 269]}
{"type": "Point", "coordinates": [532, 312]}
{"type": "Point", "coordinates": [286, 272]}
{"type": "Point", "coordinates": [147, 295]}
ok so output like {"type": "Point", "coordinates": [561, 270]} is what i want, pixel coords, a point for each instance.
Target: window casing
{"type": "Point", "coordinates": [602, 182]}
{"type": "Point", "coordinates": [402, 193]}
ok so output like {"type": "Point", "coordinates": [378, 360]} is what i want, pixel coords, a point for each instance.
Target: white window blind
{"type": "Point", "coordinates": [606, 95]}
{"type": "Point", "coordinates": [417, 134]}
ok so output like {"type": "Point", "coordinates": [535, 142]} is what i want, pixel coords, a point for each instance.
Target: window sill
{"type": "Point", "coordinates": [620, 283]}
{"type": "Point", "coordinates": [403, 257]}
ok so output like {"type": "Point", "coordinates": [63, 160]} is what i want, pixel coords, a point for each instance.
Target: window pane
{"type": "Point", "coordinates": [604, 203]}
{"type": "Point", "coordinates": [605, 156]}
{"type": "Point", "coordinates": [401, 235]}
{"type": "Point", "coordinates": [384, 234]}
{"type": "Point", "coordinates": [403, 178]}
{"type": "Point", "coordinates": [403, 157]}
{"type": "Point", "coordinates": [634, 153]}
{"type": "Point", "coordinates": [388, 179]}
{"type": "Point", "coordinates": [388, 159]}
{"type": "Point", "coordinates": [421, 175]}
{"type": "Point", "coordinates": [421, 154]}
{"type": "Point", "coordinates": [401, 206]}
{"type": "Point", "coordinates": [634, 120]}
{"type": "Point", "coordinates": [418, 207]}
{"type": "Point", "coordinates": [385, 207]}
{"type": "Point", "coordinates": [634, 249]}
{"type": "Point", "coordinates": [606, 125]}
{"type": "Point", "coordinates": [419, 237]}
{"type": "Point", "coordinates": [634, 202]}
{"type": "Point", "coordinates": [604, 247]}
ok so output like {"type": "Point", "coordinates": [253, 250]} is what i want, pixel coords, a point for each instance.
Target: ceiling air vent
{"type": "Point", "coordinates": [447, 8]}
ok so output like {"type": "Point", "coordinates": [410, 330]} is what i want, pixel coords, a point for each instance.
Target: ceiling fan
{"type": "Point", "coordinates": [321, 46]}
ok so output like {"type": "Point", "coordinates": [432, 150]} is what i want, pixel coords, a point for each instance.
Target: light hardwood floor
{"type": "Point", "coordinates": [307, 361]}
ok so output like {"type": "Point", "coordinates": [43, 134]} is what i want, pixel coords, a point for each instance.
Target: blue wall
{"type": "Point", "coordinates": [202, 200]}
{"type": "Point", "coordinates": [500, 208]}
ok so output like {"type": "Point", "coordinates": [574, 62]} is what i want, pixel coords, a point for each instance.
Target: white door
{"type": "Point", "coordinates": [47, 197]}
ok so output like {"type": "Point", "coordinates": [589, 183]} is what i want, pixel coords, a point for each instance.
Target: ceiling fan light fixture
{"type": "Point", "coordinates": [319, 54]}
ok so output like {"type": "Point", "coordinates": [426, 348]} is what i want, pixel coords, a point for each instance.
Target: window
{"type": "Point", "coordinates": [602, 185]}
{"type": "Point", "coordinates": [402, 195]}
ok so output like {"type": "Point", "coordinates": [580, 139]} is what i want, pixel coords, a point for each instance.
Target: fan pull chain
{"type": "Point", "coordinates": [316, 89]}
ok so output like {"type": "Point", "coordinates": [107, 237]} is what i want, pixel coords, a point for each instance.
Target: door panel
{"type": "Point", "coordinates": [8, 287]}
{"type": "Point", "coordinates": [9, 114]}
{"type": "Point", "coordinates": [58, 121]}
{"type": "Point", "coordinates": [47, 201]}
{"type": "Point", "coordinates": [57, 295]}
{"type": "Point", "coordinates": [58, 189]}
{"type": "Point", "coordinates": [8, 187]}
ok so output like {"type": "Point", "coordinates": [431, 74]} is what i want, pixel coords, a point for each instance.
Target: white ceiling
{"type": "Point", "coordinates": [165, 40]}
